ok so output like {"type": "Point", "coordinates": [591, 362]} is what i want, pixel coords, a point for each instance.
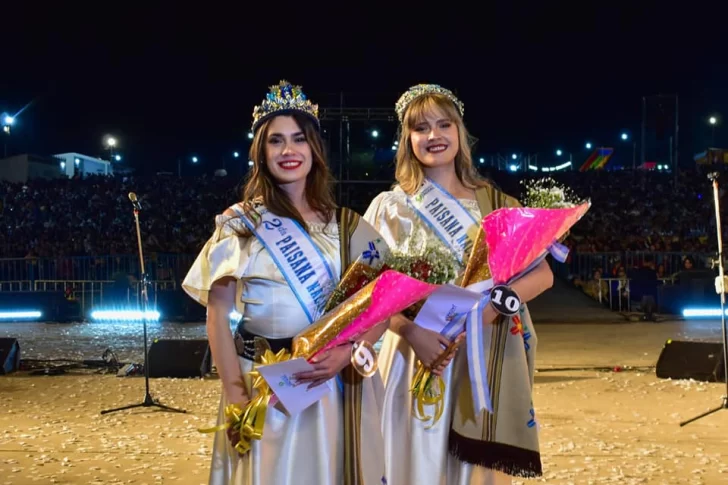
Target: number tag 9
{"type": "Point", "coordinates": [364, 358]}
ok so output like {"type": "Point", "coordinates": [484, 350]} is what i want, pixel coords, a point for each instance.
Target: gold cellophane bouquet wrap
{"type": "Point", "coordinates": [365, 297]}
{"type": "Point", "coordinates": [427, 388]}
{"type": "Point", "coordinates": [360, 291]}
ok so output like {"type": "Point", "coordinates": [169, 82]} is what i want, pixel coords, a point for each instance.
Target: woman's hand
{"type": "Point", "coordinates": [428, 346]}
{"type": "Point", "coordinates": [326, 366]}
{"type": "Point", "coordinates": [234, 434]}
{"type": "Point", "coordinates": [451, 351]}
{"type": "Point", "coordinates": [234, 437]}
{"type": "Point", "coordinates": [489, 314]}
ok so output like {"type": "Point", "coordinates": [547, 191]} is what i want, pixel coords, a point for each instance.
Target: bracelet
{"type": "Point", "coordinates": [505, 300]}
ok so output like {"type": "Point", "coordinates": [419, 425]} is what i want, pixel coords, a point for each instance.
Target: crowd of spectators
{"type": "Point", "coordinates": [93, 216]}
{"type": "Point", "coordinates": [640, 211]}
{"type": "Point", "coordinates": [643, 211]}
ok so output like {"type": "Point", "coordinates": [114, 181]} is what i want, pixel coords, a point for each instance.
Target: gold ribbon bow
{"type": "Point", "coordinates": [250, 419]}
{"type": "Point", "coordinates": [429, 389]}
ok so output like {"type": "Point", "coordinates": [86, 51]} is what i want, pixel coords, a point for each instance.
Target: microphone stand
{"type": "Point", "coordinates": [148, 400]}
{"type": "Point", "coordinates": [721, 273]}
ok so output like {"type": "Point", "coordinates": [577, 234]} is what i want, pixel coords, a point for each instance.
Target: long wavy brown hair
{"type": "Point", "coordinates": [261, 187]}
{"type": "Point", "coordinates": [409, 171]}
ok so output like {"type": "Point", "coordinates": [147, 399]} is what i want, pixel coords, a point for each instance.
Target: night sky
{"type": "Point", "coordinates": [171, 81]}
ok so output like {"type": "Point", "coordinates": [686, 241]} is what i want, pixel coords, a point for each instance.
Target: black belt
{"type": "Point", "coordinates": [245, 343]}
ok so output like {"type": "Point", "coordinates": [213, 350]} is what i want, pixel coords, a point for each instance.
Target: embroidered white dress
{"type": "Point", "coordinates": [307, 448]}
{"type": "Point", "coordinates": [413, 454]}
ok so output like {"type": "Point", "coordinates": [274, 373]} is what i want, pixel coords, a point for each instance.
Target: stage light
{"type": "Point", "coordinates": [702, 312]}
{"type": "Point", "coordinates": [124, 315]}
{"type": "Point", "coordinates": [20, 315]}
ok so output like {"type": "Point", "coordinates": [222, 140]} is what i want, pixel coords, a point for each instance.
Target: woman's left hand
{"type": "Point", "coordinates": [326, 366]}
{"type": "Point", "coordinates": [489, 314]}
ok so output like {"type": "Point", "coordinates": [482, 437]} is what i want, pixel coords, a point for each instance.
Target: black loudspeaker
{"type": "Point", "coordinates": [700, 361]}
{"type": "Point", "coordinates": [9, 355]}
{"type": "Point", "coordinates": [179, 358]}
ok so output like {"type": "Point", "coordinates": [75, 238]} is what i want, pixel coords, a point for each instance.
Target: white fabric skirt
{"type": "Point", "coordinates": [413, 454]}
{"type": "Point", "coordinates": [306, 448]}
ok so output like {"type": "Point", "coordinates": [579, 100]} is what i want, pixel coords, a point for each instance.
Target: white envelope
{"type": "Point", "coordinates": [295, 398]}
{"type": "Point", "coordinates": [447, 303]}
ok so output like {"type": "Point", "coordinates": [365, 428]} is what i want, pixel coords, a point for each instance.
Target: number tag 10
{"type": "Point", "coordinates": [505, 300]}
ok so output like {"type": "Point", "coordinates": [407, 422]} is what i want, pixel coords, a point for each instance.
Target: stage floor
{"type": "Point", "coordinates": [597, 426]}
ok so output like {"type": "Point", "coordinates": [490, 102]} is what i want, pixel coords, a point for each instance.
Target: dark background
{"type": "Point", "coordinates": [171, 81]}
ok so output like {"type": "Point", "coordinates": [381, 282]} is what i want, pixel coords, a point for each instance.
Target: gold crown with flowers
{"type": "Point", "coordinates": [284, 98]}
{"type": "Point", "coordinates": [422, 90]}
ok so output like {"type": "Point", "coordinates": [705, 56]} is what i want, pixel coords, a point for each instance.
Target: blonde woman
{"type": "Point", "coordinates": [434, 169]}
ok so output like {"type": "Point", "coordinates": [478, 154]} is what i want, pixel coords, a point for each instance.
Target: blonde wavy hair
{"type": "Point", "coordinates": [409, 171]}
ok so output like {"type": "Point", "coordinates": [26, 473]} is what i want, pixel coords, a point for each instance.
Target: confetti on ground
{"type": "Point", "coordinates": [597, 427]}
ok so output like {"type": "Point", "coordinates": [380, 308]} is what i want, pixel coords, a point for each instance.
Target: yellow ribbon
{"type": "Point", "coordinates": [428, 390]}
{"type": "Point", "coordinates": [249, 420]}
{"type": "Point", "coordinates": [231, 412]}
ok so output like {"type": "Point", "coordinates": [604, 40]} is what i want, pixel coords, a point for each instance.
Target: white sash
{"type": "Point", "coordinates": [442, 212]}
{"type": "Point", "coordinates": [298, 258]}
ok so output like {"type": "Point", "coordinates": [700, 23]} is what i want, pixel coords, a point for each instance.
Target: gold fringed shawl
{"type": "Point", "coordinates": [507, 439]}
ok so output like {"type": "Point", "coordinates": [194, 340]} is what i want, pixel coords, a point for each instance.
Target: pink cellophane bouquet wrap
{"type": "Point", "coordinates": [385, 296]}
{"type": "Point", "coordinates": [518, 237]}
{"type": "Point", "coordinates": [509, 243]}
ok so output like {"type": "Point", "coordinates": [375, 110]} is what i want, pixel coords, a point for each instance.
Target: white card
{"type": "Point", "coordinates": [295, 398]}
{"type": "Point", "coordinates": [447, 303]}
